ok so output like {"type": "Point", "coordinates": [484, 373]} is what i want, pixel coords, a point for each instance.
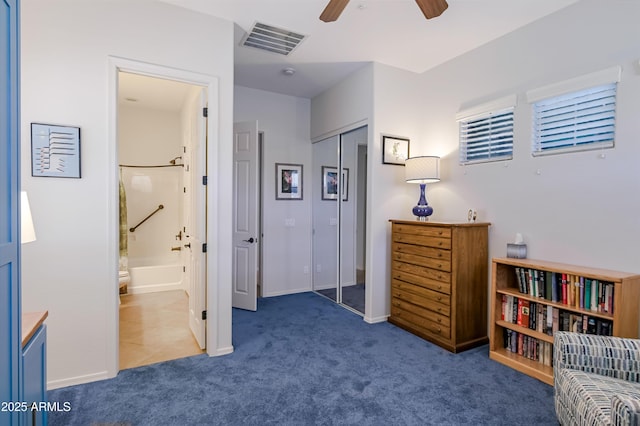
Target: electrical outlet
{"type": "Point", "coordinates": [318, 268]}
{"type": "Point", "coordinates": [305, 269]}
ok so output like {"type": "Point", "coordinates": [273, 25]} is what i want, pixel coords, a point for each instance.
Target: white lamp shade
{"type": "Point", "coordinates": [27, 232]}
{"type": "Point", "coordinates": [425, 169]}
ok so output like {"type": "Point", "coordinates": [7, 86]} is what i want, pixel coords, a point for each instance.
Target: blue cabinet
{"type": "Point", "coordinates": [34, 368]}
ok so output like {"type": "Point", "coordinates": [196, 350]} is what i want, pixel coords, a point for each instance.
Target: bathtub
{"type": "Point", "coordinates": [152, 278]}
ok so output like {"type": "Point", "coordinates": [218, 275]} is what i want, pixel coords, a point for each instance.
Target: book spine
{"type": "Point", "coordinates": [548, 285]}
{"type": "Point", "coordinates": [594, 295]}
{"type": "Point", "coordinates": [554, 287]}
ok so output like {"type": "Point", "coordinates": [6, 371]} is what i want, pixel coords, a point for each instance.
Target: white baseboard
{"type": "Point", "coordinates": [222, 351]}
{"type": "Point", "coordinates": [376, 320]}
{"type": "Point", "coordinates": [285, 292]}
{"type": "Point", "coordinates": [78, 380]}
{"type": "Point", "coordinates": [153, 288]}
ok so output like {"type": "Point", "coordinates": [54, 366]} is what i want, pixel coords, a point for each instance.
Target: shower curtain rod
{"type": "Point", "coordinates": [162, 165]}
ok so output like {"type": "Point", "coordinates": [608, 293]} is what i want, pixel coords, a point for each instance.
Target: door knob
{"type": "Point", "coordinates": [250, 240]}
{"type": "Point", "coordinates": [188, 245]}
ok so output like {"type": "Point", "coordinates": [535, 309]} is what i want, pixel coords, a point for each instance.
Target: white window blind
{"type": "Point", "coordinates": [487, 137]}
{"type": "Point", "coordinates": [580, 120]}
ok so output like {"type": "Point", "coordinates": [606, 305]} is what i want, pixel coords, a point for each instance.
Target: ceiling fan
{"type": "Point", "coordinates": [430, 9]}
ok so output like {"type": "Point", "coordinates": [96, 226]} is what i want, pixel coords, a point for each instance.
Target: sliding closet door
{"type": "Point", "coordinates": [352, 207]}
{"type": "Point", "coordinates": [325, 217]}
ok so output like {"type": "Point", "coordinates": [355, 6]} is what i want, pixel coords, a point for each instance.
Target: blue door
{"type": "Point", "coordinates": [10, 341]}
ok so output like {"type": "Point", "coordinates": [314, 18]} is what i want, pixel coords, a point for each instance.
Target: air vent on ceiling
{"type": "Point", "coordinates": [272, 39]}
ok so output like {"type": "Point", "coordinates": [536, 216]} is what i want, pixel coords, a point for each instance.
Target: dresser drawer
{"type": "Point", "coordinates": [422, 324]}
{"type": "Point", "coordinates": [434, 253]}
{"type": "Point", "coordinates": [421, 271]}
{"type": "Point", "coordinates": [419, 240]}
{"type": "Point", "coordinates": [422, 231]}
{"type": "Point", "coordinates": [442, 301]}
{"type": "Point", "coordinates": [439, 264]}
{"type": "Point", "coordinates": [423, 312]}
{"type": "Point", "coordinates": [420, 282]}
{"type": "Point", "coordinates": [415, 304]}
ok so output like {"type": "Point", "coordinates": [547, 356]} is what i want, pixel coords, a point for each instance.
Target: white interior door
{"type": "Point", "coordinates": [195, 230]}
{"type": "Point", "coordinates": [245, 215]}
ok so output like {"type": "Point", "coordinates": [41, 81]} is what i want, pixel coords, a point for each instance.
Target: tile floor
{"type": "Point", "coordinates": [154, 327]}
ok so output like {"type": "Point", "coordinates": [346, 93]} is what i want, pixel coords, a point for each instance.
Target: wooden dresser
{"type": "Point", "coordinates": [439, 281]}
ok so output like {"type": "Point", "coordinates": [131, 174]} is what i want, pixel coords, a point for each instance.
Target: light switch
{"type": "Point", "coordinates": [290, 222]}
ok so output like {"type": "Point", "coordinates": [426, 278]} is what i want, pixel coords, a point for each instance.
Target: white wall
{"type": "Point", "coordinates": [574, 208]}
{"type": "Point", "coordinates": [71, 269]}
{"type": "Point", "coordinates": [286, 249]}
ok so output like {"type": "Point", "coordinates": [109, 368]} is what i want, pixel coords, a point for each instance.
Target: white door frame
{"type": "Point", "coordinates": [216, 344]}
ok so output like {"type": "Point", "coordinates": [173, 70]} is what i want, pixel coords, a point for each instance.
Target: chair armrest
{"type": "Point", "coordinates": [625, 410]}
{"type": "Point", "coordinates": [605, 355]}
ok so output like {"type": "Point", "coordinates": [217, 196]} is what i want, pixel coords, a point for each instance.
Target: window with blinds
{"type": "Point", "coordinates": [487, 137]}
{"type": "Point", "coordinates": [576, 121]}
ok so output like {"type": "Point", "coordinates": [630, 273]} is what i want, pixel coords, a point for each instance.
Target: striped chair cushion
{"type": "Point", "coordinates": [592, 399]}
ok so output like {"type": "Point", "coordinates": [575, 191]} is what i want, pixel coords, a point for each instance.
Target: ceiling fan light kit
{"type": "Point", "coordinates": [430, 9]}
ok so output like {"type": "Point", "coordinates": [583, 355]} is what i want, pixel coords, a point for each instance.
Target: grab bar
{"type": "Point", "coordinates": [160, 207]}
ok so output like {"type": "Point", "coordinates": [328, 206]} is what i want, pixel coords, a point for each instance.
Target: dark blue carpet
{"type": "Point", "coordinates": [303, 360]}
{"type": "Point", "coordinates": [352, 296]}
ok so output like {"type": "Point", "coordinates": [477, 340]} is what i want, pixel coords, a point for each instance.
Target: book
{"type": "Point", "coordinates": [555, 320]}
{"type": "Point", "coordinates": [548, 285]}
{"type": "Point", "coordinates": [587, 293]}
{"type": "Point", "coordinates": [594, 295]}
{"type": "Point", "coordinates": [591, 325]}
{"type": "Point", "coordinates": [554, 287]}
{"type": "Point", "coordinates": [550, 318]}
{"type": "Point", "coordinates": [523, 313]}
{"type": "Point", "coordinates": [525, 283]}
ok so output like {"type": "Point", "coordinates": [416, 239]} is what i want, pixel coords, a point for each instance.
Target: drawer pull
{"type": "Point", "coordinates": [439, 298]}
{"type": "Point", "coordinates": [439, 287]}
{"type": "Point", "coordinates": [439, 320]}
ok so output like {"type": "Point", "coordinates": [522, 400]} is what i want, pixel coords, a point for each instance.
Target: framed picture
{"type": "Point", "coordinates": [288, 181]}
{"type": "Point", "coordinates": [55, 151]}
{"type": "Point", "coordinates": [394, 150]}
{"type": "Point", "coordinates": [330, 183]}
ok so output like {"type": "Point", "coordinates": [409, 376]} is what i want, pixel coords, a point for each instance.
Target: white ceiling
{"type": "Point", "coordinates": [392, 32]}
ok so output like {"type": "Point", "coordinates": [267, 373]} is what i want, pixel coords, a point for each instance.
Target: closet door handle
{"type": "Point", "coordinates": [188, 245]}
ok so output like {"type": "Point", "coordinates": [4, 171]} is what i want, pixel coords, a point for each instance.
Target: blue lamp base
{"type": "Point", "coordinates": [422, 211]}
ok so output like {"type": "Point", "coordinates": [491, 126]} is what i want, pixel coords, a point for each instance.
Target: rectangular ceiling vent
{"type": "Point", "coordinates": [272, 39]}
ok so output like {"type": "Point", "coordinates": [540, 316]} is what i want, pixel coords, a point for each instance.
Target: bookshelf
{"type": "Point", "coordinates": [530, 351]}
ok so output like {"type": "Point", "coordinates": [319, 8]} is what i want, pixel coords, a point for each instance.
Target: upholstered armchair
{"type": "Point", "coordinates": [596, 379]}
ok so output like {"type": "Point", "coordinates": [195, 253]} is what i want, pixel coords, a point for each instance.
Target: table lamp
{"type": "Point", "coordinates": [27, 231]}
{"type": "Point", "coordinates": [422, 170]}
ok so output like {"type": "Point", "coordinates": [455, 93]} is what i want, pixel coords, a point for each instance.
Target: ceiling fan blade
{"type": "Point", "coordinates": [432, 8]}
{"type": "Point", "coordinates": [333, 10]}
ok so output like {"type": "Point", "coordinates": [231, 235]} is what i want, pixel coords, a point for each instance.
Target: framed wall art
{"type": "Point", "coordinates": [55, 151]}
{"type": "Point", "coordinates": [330, 183]}
{"type": "Point", "coordinates": [288, 181]}
{"type": "Point", "coordinates": [395, 150]}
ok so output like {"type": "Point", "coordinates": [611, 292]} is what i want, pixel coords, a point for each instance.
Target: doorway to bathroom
{"type": "Point", "coordinates": [161, 145]}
